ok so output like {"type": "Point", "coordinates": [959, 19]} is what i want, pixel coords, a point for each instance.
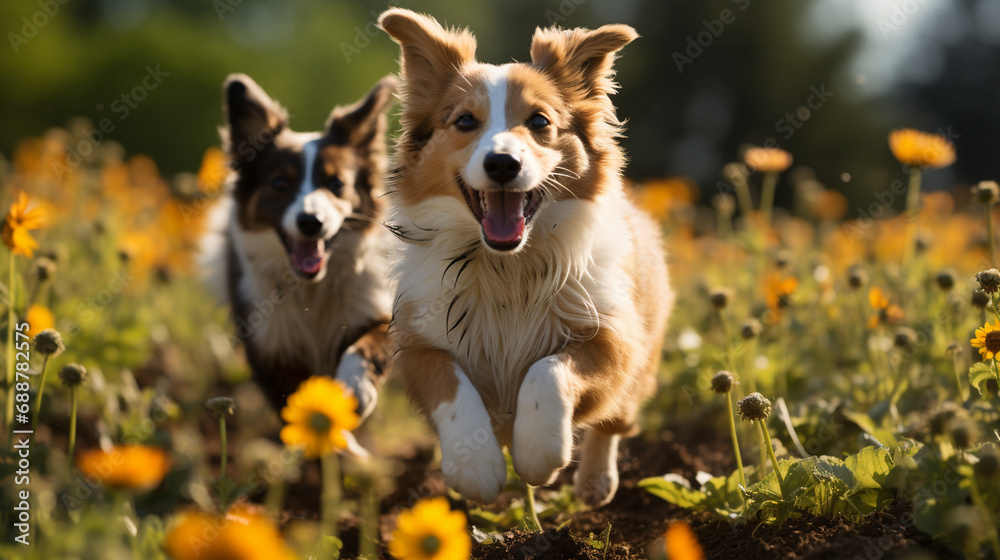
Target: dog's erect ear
{"type": "Point", "coordinates": [430, 52]}
{"type": "Point", "coordinates": [431, 57]}
{"type": "Point", "coordinates": [252, 118]}
{"type": "Point", "coordinates": [363, 122]}
{"type": "Point", "coordinates": [581, 58]}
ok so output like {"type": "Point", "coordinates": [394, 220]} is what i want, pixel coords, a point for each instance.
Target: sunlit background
{"type": "Point", "coordinates": [704, 79]}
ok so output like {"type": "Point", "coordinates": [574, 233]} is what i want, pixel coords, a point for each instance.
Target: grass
{"type": "Point", "coordinates": [883, 416]}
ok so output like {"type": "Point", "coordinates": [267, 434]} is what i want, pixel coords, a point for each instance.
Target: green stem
{"type": "Point", "coordinates": [731, 358]}
{"type": "Point", "coordinates": [782, 373]}
{"type": "Point", "coordinates": [275, 498]}
{"type": "Point", "coordinates": [72, 425]}
{"type": "Point", "coordinates": [368, 545]}
{"type": "Point", "coordinates": [332, 494]}
{"type": "Point", "coordinates": [225, 448]}
{"type": "Point", "coordinates": [958, 378]}
{"type": "Point", "coordinates": [749, 353]}
{"type": "Point", "coordinates": [770, 453]}
{"type": "Point", "coordinates": [9, 413]}
{"type": "Point", "coordinates": [913, 217]}
{"type": "Point", "coordinates": [38, 397]}
{"type": "Point", "coordinates": [725, 226]}
{"type": "Point", "coordinates": [736, 443]}
{"type": "Point", "coordinates": [745, 201]}
{"type": "Point", "coordinates": [531, 519]}
{"type": "Point", "coordinates": [767, 199]}
{"type": "Point", "coordinates": [989, 230]}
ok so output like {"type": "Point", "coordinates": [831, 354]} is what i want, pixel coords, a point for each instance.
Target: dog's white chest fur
{"type": "Point", "coordinates": [498, 314]}
{"type": "Point", "coordinates": [290, 316]}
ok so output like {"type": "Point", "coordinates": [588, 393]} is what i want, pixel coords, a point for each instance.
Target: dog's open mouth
{"type": "Point", "coordinates": [502, 214]}
{"type": "Point", "coordinates": [307, 256]}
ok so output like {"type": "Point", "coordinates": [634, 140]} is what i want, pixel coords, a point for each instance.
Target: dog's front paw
{"type": "Point", "coordinates": [543, 428]}
{"type": "Point", "coordinates": [353, 372]}
{"type": "Point", "coordinates": [470, 456]}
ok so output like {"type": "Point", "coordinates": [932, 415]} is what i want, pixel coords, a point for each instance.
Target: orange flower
{"type": "Point", "coordinates": [18, 222]}
{"type": "Point", "coordinates": [661, 196]}
{"type": "Point", "coordinates": [39, 319]}
{"type": "Point", "coordinates": [885, 311]}
{"type": "Point", "coordinates": [921, 149]}
{"type": "Point", "coordinates": [244, 533]}
{"type": "Point", "coordinates": [682, 543]}
{"type": "Point", "coordinates": [779, 291]}
{"type": "Point", "coordinates": [132, 467]}
{"type": "Point", "coordinates": [767, 160]}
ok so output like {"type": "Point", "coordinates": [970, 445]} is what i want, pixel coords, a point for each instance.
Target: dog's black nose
{"type": "Point", "coordinates": [308, 224]}
{"type": "Point", "coordinates": [501, 167]}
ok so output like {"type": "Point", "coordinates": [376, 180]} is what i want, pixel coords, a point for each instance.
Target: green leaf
{"type": "Point", "coordinates": [676, 490]}
{"type": "Point", "coordinates": [882, 435]}
{"type": "Point", "coordinates": [979, 374]}
{"type": "Point", "coordinates": [229, 490]}
{"type": "Point", "coordinates": [870, 468]}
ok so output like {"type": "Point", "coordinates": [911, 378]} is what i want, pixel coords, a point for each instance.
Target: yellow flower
{"type": "Point", "coordinates": [767, 160]}
{"type": "Point", "coordinates": [660, 197]}
{"type": "Point", "coordinates": [922, 149]}
{"type": "Point", "coordinates": [885, 311]}
{"type": "Point", "coordinates": [431, 531]}
{"type": "Point", "coordinates": [39, 319]}
{"type": "Point", "coordinates": [318, 414]}
{"type": "Point", "coordinates": [244, 533]}
{"type": "Point", "coordinates": [213, 171]}
{"type": "Point", "coordinates": [16, 225]}
{"type": "Point", "coordinates": [988, 340]}
{"type": "Point", "coordinates": [132, 467]}
{"type": "Point", "coordinates": [682, 543]}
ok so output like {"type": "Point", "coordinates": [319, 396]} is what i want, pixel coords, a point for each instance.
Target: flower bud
{"type": "Point", "coordinates": [220, 406]}
{"type": "Point", "coordinates": [49, 342]}
{"type": "Point", "coordinates": [73, 375]}
{"type": "Point", "coordinates": [751, 329]}
{"type": "Point", "coordinates": [722, 382]}
{"type": "Point", "coordinates": [857, 277]}
{"type": "Point", "coordinates": [989, 280]}
{"type": "Point", "coordinates": [754, 407]}
{"type": "Point", "coordinates": [945, 279]}
{"type": "Point", "coordinates": [980, 299]}
{"type": "Point", "coordinates": [987, 192]}
{"type": "Point", "coordinates": [989, 462]}
{"type": "Point", "coordinates": [720, 297]}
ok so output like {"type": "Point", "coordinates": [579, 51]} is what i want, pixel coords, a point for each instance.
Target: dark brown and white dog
{"type": "Point", "coordinates": [306, 253]}
{"type": "Point", "coordinates": [532, 296]}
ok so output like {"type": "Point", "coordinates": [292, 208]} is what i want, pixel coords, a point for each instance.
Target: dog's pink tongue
{"type": "Point", "coordinates": [307, 256]}
{"type": "Point", "coordinates": [504, 220]}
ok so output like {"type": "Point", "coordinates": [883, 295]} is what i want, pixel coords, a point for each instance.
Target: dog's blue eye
{"type": "Point", "coordinates": [280, 183]}
{"type": "Point", "coordinates": [335, 184]}
{"type": "Point", "coordinates": [466, 122]}
{"type": "Point", "coordinates": [537, 122]}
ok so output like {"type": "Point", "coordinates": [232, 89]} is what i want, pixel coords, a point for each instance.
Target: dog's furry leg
{"type": "Point", "coordinates": [361, 367]}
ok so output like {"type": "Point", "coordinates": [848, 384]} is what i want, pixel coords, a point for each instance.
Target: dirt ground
{"type": "Point", "coordinates": [638, 518]}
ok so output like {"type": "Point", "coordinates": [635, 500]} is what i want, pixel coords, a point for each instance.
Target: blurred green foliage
{"type": "Point", "coordinates": [704, 79]}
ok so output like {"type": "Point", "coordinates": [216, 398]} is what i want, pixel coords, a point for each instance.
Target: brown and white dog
{"type": "Point", "coordinates": [306, 254]}
{"type": "Point", "coordinates": [532, 296]}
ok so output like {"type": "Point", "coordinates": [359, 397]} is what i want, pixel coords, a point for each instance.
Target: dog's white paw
{"type": "Point", "coordinates": [353, 372]}
{"type": "Point", "coordinates": [470, 456]}
{"type": "Point", "coordinates": [596, 480]}
{"type": "Point", "coordinates": [543, 427]}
